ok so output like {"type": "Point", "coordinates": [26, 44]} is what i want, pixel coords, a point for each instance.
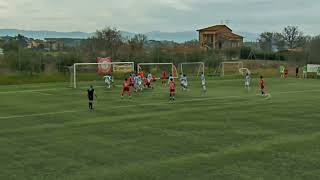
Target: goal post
{"type": "Point", "coordinates": [196, 71]}
{"type": "Point", "coordinates": [235, 67]}
{"type": "Point", "coordinates": [93, 68]}
{"type": "Point", "coordinates": [157, 68]}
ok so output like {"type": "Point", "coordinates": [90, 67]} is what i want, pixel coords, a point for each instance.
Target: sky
{"type": "Point", "coordinates": [142, 16]}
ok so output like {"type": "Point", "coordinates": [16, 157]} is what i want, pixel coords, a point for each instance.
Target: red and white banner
{"type": "Point", "coordinates": [104, 68]}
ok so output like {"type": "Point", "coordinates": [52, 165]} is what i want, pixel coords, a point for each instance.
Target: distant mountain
{"type": "Point", "coordinates": [172, 36]}
{"type": "Point", "coordinates": [154, 35]}
{"type": "Point", "coordinates": [44, 34]}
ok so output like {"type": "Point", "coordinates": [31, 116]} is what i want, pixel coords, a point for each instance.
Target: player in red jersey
{"type": "Point", "coordinates": [154, 78]}
{"type": "Point", "coordinates": [141, 73]}
{"type": "Point", "coordinates": [172, 87]}
{"type": "Point", "coordinates": [164, 77]}
{"type": "Point", "coordinates": [126, 88]}
{"type": "Point", "coordinates": [131, 80]}
{"type": "Point", "coordinates": [286, 72]}
{"type": "Point", "coordinates": [262, 85]}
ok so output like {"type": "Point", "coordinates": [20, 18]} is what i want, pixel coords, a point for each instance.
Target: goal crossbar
{"type": "Point", "coordinates": [240, 66]}
{"type": "Point", "coordinates": [103, 63]}
{"type": "Point", "coordinates": [192, 63]}
{"type": "Point", "coordinates": [173, 67]}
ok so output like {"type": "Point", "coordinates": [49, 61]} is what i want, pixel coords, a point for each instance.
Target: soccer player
{"type": "Point", "coordinates": [262, 85]}
{"type": "Point", "coordinates": [141, 73]}
{"type": "Point", "coordinates": [164, 77]}
{"type": "Point", "coordinates": [247, 81]}
{"type": "Point", "coordinates": [149, 80]}
{"type": "Point", "coordinates": [149, 76]}
{"type": "Point", "coordinates": [172, 88]}
{"type": "Point", "coordinates": [138, 83]}
{"type": "Point", "coordinates": [169, 79]}
{"type": "Point", "coordinates": [154, 78]}
{"type": "Point", "coordinates": [184, 82]}
{"type": "Point", "coordinates": [126, 88]}
{"type": "Point", "coordinates": [108, 80]}
{"type": "Point", "coordinates": [282, 68]}
{"type": "Point", "coordinates": [286, 72]}
{"type": "Point", "coordinates": [131, 81]}
{"type": "Point", "coordinates": [91, 94]}
{"type": "Point", "coordinates": [203, 84]}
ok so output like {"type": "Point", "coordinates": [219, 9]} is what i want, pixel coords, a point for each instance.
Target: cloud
{"type": "Point", "coordinates": [164, 15]}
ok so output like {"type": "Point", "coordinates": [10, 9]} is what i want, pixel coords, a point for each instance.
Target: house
{"type": "Point", "coordinates": [55, 45]}
{"type": "Point", "coordinates": [219, 37]}
{"type": "Point", "coordinates": [37, 44]}
{"type": "Point", "coordinates": [66, 42]}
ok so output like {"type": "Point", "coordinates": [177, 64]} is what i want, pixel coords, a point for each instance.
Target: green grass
{"type": "Point", "coordinates": [46, 132]}
{"type": "Point", "coordinates": [31, 79]}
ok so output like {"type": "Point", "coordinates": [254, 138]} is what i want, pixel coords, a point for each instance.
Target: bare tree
{"type": "Point", "coordinates": [138, 41]}
{"type": "Point", "coordinates": [266, 40]}
{"type": "Point", "coordinates": [293, 37]}
{"type": "Point", "coordinates": [109, 40]}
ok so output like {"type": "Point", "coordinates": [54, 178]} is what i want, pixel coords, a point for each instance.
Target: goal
{"type": "Point", "coordinates": [157, 68]}
{"type": "Point", "coordinates": [232, 68]}
{"type": "Point", "coordinates": [93, 72]}
{"type": "Point", "coordinates": [192, 68]}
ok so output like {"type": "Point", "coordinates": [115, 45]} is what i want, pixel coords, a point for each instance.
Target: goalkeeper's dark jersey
{"type": "Point", "coordinates": [90, 94]}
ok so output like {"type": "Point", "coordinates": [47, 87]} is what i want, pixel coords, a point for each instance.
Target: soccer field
{"type": "Point", "coordinates": [47, 132]}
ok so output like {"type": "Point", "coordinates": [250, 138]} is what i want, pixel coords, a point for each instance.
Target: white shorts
{"type": "Point", "coordinates": [247, 83]}
{"type": "Point", "coordinates": [185, 84]}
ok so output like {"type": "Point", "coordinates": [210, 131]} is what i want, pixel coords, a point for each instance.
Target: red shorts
{"type": "Point", "coordinates": [131, 84]}
{"type": "Point", "coordinates": [262, 87]}
{"type": "Point", "coordinates": [172, 90]}
{"type": "Point", "coordinates": [126, 89]}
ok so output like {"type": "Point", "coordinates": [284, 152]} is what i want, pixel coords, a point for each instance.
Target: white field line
{"type": "Point", "coordinates": [35, 115]}
{"type": "Point", "coordinates": [42, 93]}
{"type": "Point", "coordinates": [33, 90]}
{"type": "Point", "coordinates": [151, 104]}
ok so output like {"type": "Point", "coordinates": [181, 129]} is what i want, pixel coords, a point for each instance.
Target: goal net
{"type": "Point", "coordinates": [233, 68]}
{"type": "Point", "coordinates": [156, 69]}
{"type": "Point", "coordinates": [194, 69]}
{"type": "Point", "coordinates": [84, 74]}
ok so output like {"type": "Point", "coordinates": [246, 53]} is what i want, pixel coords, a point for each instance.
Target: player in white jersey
{"type": "Point", "coordinates": [184, 82]}
{"type": "Point", "coordinates": [108, 80]}
{"type": "Point", "coordinates": [181, 80]}
{"type": "Point", "coordinates": [149, 80]}
{"type": "Point", "coordinates": [138, 83]}
{"type": "Point", "coordinates": [247, 81]}
{"type": "Point", "coordinates": [149, 76]}
{"type": "Point", "coordinates": [170, 77]}
{"type": "Point", "coordinates": [203, 84]}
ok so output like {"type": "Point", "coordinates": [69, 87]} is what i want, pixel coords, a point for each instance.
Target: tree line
{"type": "Point", "coordinates": [109, 42]}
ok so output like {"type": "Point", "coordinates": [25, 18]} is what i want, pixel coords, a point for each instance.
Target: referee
{"type": "Point", "coordinates": [90, 97]}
